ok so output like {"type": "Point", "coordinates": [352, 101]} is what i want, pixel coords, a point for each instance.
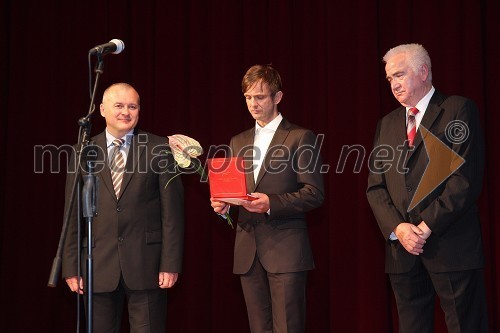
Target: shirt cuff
{"type": "Point", "coordinates": [393, 236]}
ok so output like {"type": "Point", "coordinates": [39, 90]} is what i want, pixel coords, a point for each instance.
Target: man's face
{"type": "Point", "coordinates": [120, 108]}
{"type": "Point", "coordinates": [262, 106]}
{"type": "Point", "coordinates": [407, 86]}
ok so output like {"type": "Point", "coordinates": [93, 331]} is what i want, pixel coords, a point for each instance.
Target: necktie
{"type": "Point", "coordinates": [411, 128]}
{"type": "Point", "coordinates": [117, 166]}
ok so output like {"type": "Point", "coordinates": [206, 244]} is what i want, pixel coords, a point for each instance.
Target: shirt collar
{"type": "Point", "coordinates": [271, 126]}
{"type": "Point", "coordinates": [424, 102]}
{"type": "Point", "coordinates": [127, 138]}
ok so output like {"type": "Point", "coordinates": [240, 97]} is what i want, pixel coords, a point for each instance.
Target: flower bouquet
{"type": "Point", "coordinates": [186, 151]}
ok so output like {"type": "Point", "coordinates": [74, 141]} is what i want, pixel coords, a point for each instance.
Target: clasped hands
{"type": "Point", "coordinates": [412, 237]}
{"type": "Point", "coordinates": [260, 205]}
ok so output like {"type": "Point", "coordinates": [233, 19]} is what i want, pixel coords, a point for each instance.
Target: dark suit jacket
{"type": "Point", "coordinates": [140, 234]}
{"type": "Point", "coordinates": [450, 210]}
{"type": "Point", "coordinates": [290, 176]}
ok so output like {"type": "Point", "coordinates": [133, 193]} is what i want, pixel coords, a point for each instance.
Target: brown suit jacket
{"type": "Point", "coordinates": [449, 210]}
{"type": "Point", "coordinates": [140, 234]}
{"type": "Point", "coordinates": [290, 176]}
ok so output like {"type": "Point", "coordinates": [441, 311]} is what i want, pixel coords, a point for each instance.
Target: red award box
{"type": "Point", "coordinates": [227, 180]}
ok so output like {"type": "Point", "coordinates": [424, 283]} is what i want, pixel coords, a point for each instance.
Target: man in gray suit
{"type": "Point", "coordinates": [272, 252]}
{"type": "Point", "coordinates": [433, 244]}
{"type": "Point", "coordinates": [138, 232]}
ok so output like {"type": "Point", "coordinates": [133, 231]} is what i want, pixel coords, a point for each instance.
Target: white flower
{"type": "Point", "coordinates": [183, 147]}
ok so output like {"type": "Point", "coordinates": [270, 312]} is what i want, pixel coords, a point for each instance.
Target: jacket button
{"type": "Point", "coordinates": [118, 209]}
{"type": "Point", "coordinates": [120, 239]}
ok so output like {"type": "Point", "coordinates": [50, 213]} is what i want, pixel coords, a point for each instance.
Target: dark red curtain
{"type": "Point", "coordinates": [187, 58]}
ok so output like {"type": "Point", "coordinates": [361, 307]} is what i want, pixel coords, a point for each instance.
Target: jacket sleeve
{"type": "Point", "coordinates": [309, 188]}
{"type": "Point", "coordinates": [384, 210]}
{"type": "Point", "coordinates": [172, 215]}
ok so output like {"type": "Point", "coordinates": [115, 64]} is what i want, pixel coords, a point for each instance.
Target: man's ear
{"type": "Point", "coordinates": [424, 71]}
{"type": "Point", "coordinates": [101, 107]}
{"type": "Point", "coordinates": [278, 96]}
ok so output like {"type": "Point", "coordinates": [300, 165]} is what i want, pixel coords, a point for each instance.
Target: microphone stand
{"type": "Point", "coordinates": [87, 207]}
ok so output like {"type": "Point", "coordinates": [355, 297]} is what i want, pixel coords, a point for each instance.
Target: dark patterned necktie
{"type": "Point", "coordinates": [117, 166]}
{"type": "Point", "coordinates": [411, 128]}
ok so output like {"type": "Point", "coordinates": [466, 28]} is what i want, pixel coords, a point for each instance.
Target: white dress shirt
{"type": "Point", "coordinates": [261, 142]}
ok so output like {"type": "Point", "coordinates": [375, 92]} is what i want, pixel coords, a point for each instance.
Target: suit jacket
{"type": "Point", "coordinates": [290, 176]}
{"type": "Point", "coordinates": [139, 234]}
{"type": "Point", "coordinates": [449, 210]}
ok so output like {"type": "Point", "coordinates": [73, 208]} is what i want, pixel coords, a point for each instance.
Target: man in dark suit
{"type": "Point", "coordinates": [138, 232]}
{"type": "Point", "coordinates": [272, 252]}
{"type": "Point", "coordinates": [433, 246]}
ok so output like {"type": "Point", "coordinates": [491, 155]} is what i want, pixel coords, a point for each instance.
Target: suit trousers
{"type": "Point", "coordinates": [276, 302]}
{"type": "Point", "coordinates": [147, 310]}
{"type": "Point", "coordinates": [461, 294]}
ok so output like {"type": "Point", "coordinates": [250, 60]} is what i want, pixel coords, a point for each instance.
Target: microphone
{"type": "Point", "coordinates": [114, 46]}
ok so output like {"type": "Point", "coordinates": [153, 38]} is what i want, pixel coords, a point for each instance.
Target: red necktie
{"type": "Point", "coordinates": [411, 128]}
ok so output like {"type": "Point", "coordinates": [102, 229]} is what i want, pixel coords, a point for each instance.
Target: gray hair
{"type": "Point", "coordinates": [417, 56]}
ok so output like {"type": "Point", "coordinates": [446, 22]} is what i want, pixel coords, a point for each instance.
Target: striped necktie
{"type": "Point", "coordinates": [117, 166]}
{"type": "Point", "coordinates": [411, 128]}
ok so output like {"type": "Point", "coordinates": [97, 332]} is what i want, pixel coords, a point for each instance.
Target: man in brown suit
{"type": "Point", "coordinates": [272, 252]}
{"type": "Point", "coordinates": [138, 232]}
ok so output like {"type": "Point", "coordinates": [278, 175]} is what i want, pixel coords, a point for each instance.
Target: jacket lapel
{"type": "Point", "coordinates": [248, 159]}
{"type": "Point", "coordinates": [398, 137]}
{"type": "Point", "coordinates": [279, 137]}
{"type": "Point", "coordinates": [105, 172]}
{"type": "Point", "coordinates": [400, 126]}
{"type": "Point", "coordinates": [134, 154]}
